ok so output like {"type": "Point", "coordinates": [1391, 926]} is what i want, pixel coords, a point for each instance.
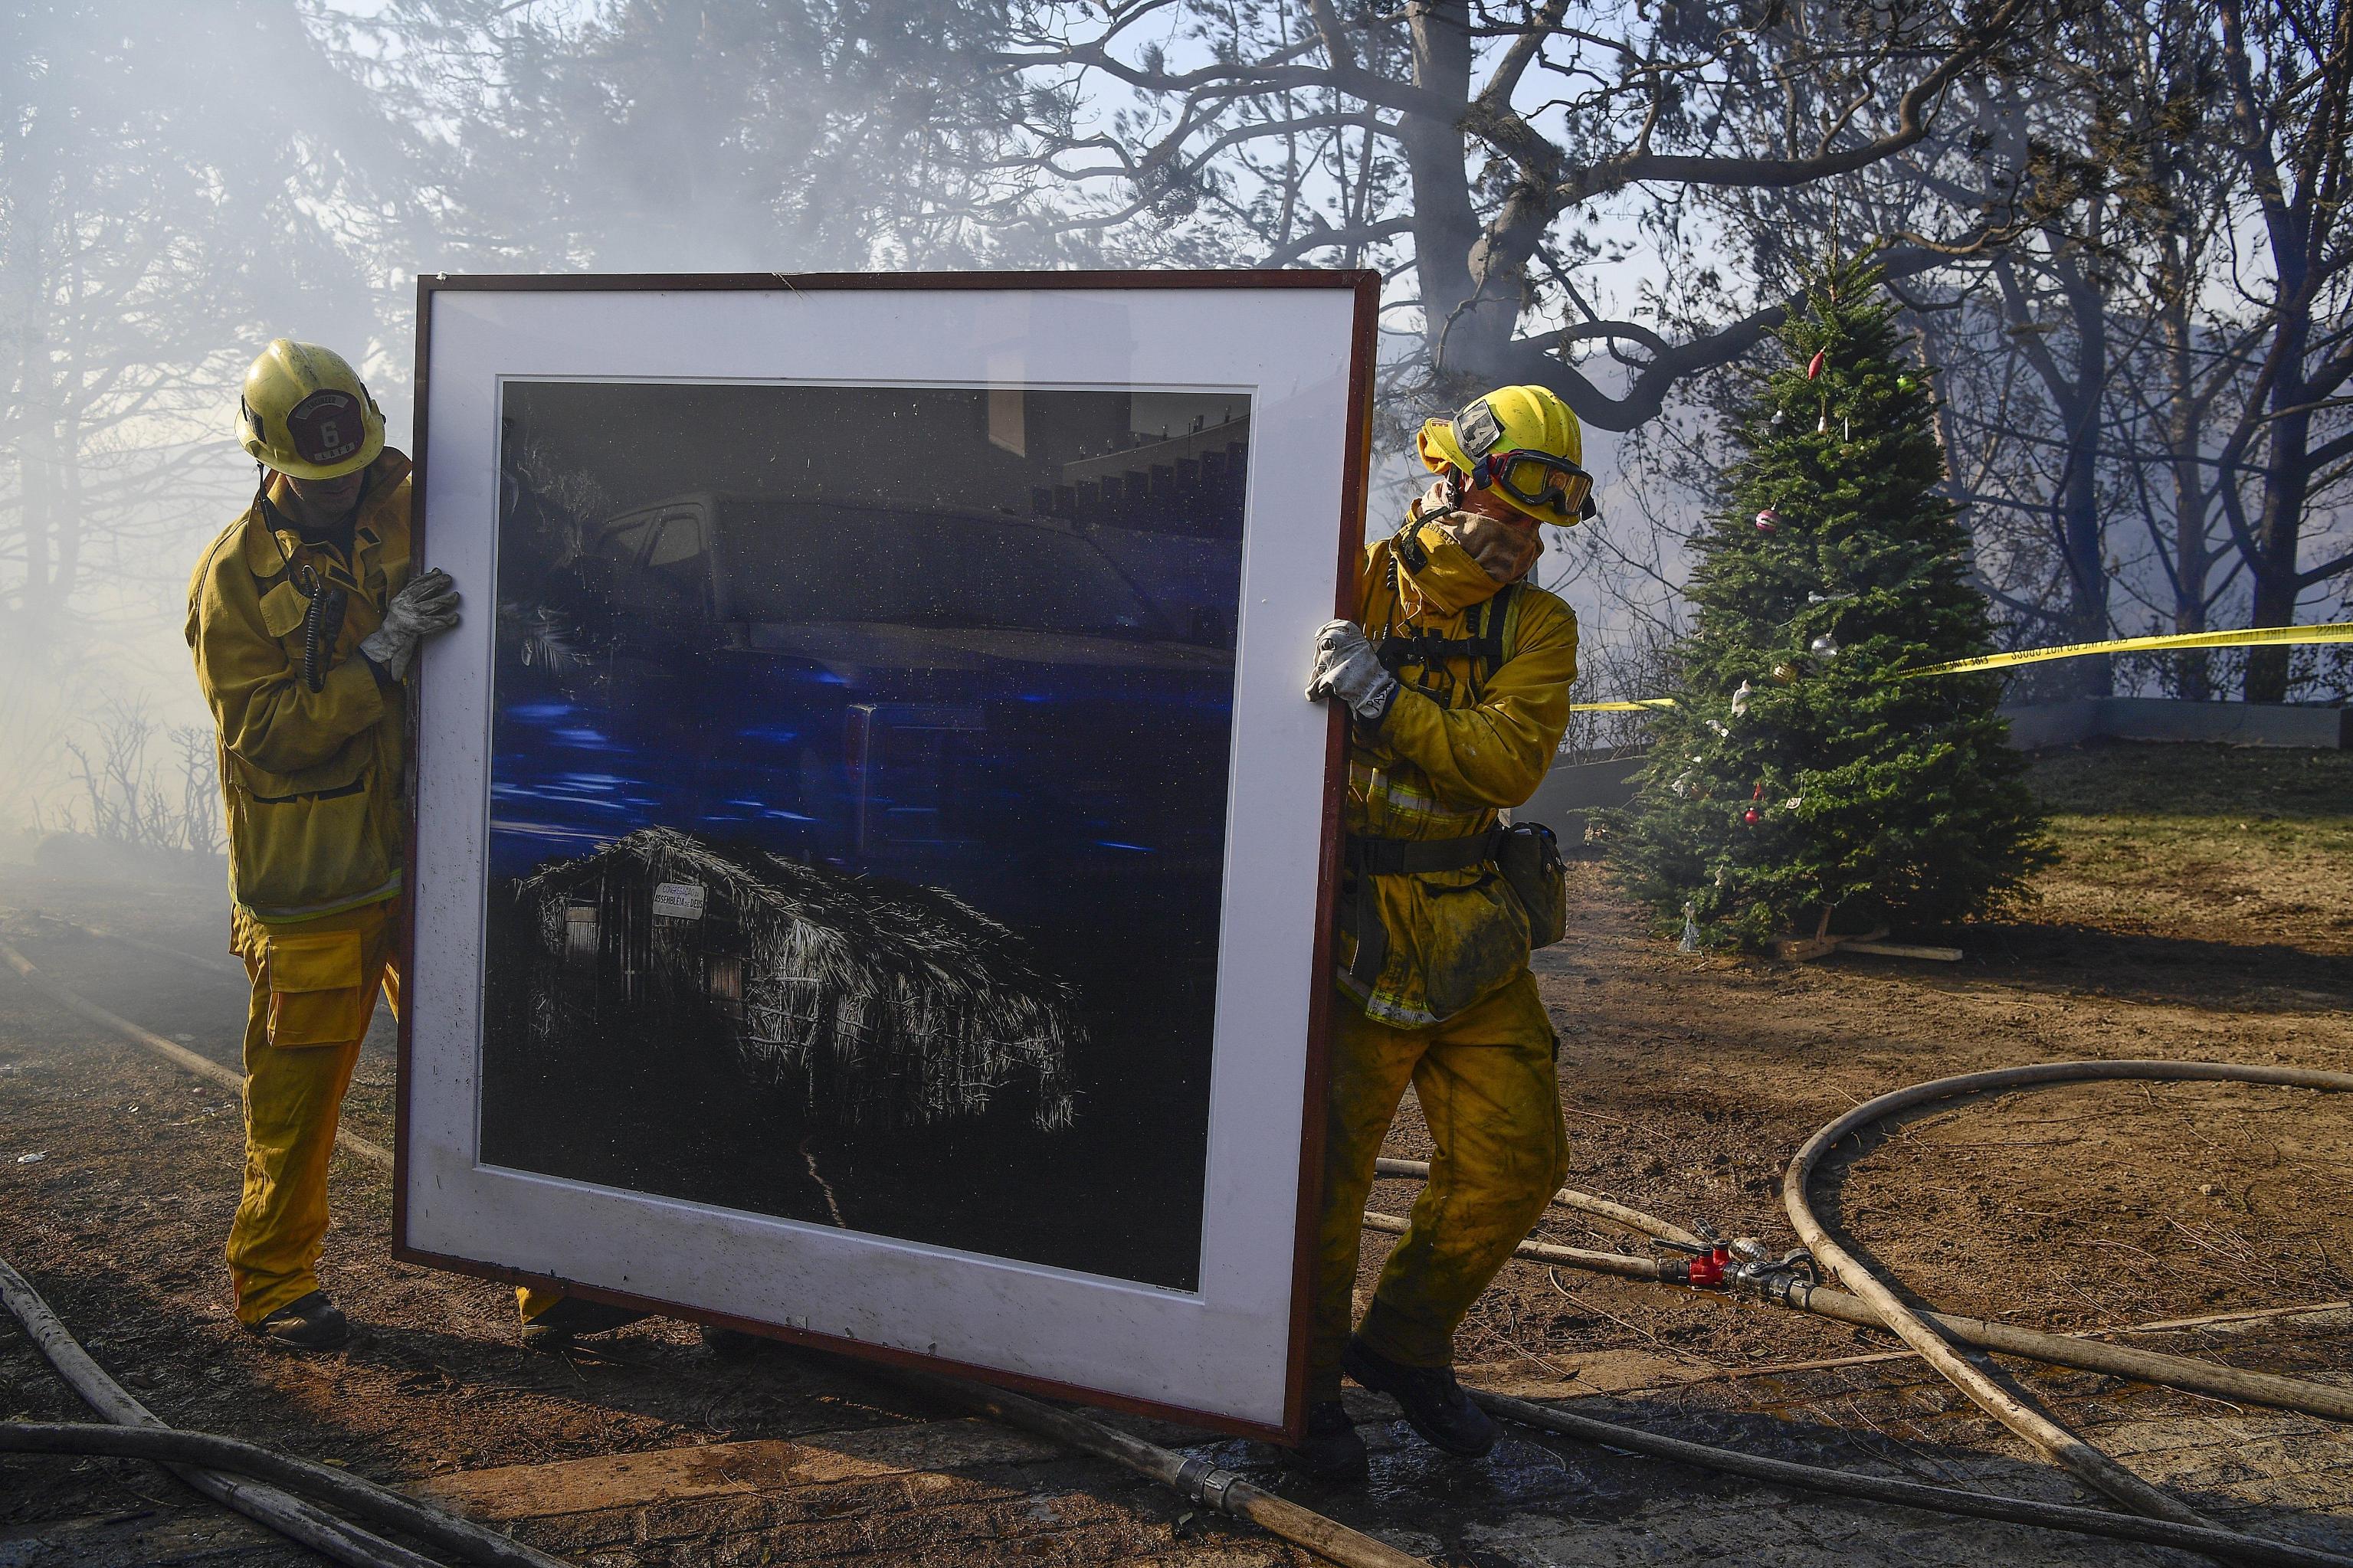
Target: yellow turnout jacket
{"type": "Point", "coordinates": [312, 779]}
{"type": "Point", "coordinates": [1466, 735]}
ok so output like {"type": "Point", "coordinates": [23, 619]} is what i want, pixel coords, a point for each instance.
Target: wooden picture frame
{"type": "Point", "coordinates": [695, 516]}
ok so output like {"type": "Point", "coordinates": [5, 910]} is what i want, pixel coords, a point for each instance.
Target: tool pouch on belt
{"type": "Point", "coordinates": [1529, 857]}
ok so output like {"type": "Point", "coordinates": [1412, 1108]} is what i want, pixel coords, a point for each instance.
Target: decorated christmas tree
{"type": "Point", "coordinates": [1798, 773]}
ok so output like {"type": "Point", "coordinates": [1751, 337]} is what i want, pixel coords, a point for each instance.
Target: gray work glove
{"type": "Point", "coordinates": [1347, 668]}
{"type": "Point", "coordinates": [426, 606]}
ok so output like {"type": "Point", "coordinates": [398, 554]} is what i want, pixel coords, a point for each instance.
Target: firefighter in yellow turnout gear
{"type": "Point", "coordinates": [304, 616]}
{"type": "Point", "coordinates": [1458, 676]}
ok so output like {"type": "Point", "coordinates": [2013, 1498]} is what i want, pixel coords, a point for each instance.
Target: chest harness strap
{"type": "Point", "coordinates": [1484, 645]}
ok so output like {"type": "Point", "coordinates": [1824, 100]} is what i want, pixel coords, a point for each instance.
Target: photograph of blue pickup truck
{"type": "Point", "coordinates": [858, 805]}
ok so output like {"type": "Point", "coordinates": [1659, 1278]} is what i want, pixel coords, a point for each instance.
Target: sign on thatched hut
{"type": "Point", "coordinates": [891, 1004]}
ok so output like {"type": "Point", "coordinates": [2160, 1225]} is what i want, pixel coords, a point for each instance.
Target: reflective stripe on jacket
{"type": "Point", "coordinates": [1458, 744]}
{"type": "Point", "coordinates": [312, 780]}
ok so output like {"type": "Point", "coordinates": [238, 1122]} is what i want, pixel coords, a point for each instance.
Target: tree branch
{"type": "Point", "coordinates": [1912, 122]}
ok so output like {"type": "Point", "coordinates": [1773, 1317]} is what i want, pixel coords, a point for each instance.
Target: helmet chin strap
{"type": "Point", "coordinates": [305, 581]}
{"type": "Point", "coordinates": [322, 617]}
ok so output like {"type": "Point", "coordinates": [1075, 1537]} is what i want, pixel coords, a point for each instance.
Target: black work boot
{"type": "Point", "coordinates": [731, 1344]}
{"type": "Point", "coordinates": [1331, 1452]}
{"type": "Point", "coordinates": [312, 1324]}
{"type": "Point", "coordinates": [1433, 1402]}
{"type": "Point", "coordinates": [556, 1328]}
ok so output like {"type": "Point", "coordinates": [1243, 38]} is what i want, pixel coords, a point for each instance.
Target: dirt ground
{"type": "Point", "coordinates": [2198, 911]}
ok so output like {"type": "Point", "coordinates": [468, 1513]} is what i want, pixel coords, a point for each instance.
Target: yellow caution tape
{"type": "Point", "coordinates": [2339, 631]}
{"type": "Point", "coordinates": [2257, 636]}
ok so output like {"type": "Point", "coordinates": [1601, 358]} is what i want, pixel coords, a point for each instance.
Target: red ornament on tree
{"type": "Point", "coordinates": [1768, 519]}
{"type": "Point", "coordinates": [1749, 817]}
{"type": "Point", "coordinates": [1814, 365]}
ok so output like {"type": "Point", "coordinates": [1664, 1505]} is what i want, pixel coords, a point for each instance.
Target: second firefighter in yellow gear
{"type": "Point", "coordinates": [304, 616]}
{"type": "Point", "coordinates": [1458, 676]}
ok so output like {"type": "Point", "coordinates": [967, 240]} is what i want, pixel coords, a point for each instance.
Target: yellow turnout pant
{"type": "Point", "coordinates": [314, 990]}
{"type": "Point", "coordinates": [1486, 1081]}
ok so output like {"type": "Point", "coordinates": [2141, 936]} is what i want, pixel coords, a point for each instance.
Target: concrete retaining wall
{"type": "Point", "coordinates": [1572, 789]}
{"type": "Point", "coordinates": [2160, 718]}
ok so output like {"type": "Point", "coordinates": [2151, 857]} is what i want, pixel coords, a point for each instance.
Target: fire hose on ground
{"type": "Point", "coordinates": [2021, 1417]}
{"type": "Point", "coordinates": [1207, 1484]}
{"type": "Point", "coordinates": [236, 1475]}
{"type": "Point", "coordinates": [2066, 1516]}
{"type": "Point", "coordinates": [227, 1470]}
{"type": "Point", "coordinates": [1790, 1281]}
{"type": "Point", "coordinates": [1771, 1279]}
{"type": "Point", "coordinates": [1203, 1482]}
{"type": "Point", "coordinates": [220, 1468]}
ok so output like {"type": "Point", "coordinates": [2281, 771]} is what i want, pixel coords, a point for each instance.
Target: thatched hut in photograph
{"type": "Point", "coordinates": [891, 1006]}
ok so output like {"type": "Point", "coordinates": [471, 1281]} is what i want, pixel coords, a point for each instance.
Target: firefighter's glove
{"type": "Point", "coordinates": [426, 606]}
{"type": "Point", "coordinates": [1346, 667]}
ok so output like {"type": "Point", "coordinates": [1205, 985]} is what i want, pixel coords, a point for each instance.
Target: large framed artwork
{"type": "Point", "coordinates": [871, 835]}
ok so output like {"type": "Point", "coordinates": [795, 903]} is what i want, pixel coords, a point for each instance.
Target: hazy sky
{"type": "Point", "coordinates": [182, 164]}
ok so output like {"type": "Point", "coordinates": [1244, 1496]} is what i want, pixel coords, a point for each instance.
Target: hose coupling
{"type": "Point", "coordinates": [1705, 1269]}
{"type": "Point", "coordinates": [1758, 1272]}
{"type": "Point", "coordinates": [1202, 1480]}
{"type": "Point", "coordinates": [1741, 1264]}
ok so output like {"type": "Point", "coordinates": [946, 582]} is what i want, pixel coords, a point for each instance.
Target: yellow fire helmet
{"type": "Point", "coordinates": [1523, 443]}
{"type": "Point", "coordinates": [305, 413]}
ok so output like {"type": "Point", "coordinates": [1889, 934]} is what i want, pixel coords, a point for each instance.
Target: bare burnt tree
{"type": "Point", "coordinates": [2014, 320]}
{"type": "Point", "coordinates": [129, 798]}
{"type": "Point", "coordinates": [2113, 358]}
{"type": "Point", "coordinates": [202, 827]}
{"type": "Point", "coordinates": [1486, 139]}
{"type": "Point", "coordinates": [118, 791]}
{"type": "Point", "coordinates": [2104, 355]}
{"type": "Point", "coordinates": [2289, 68]}
{"type": "Point", "coordinates": [158, 220]}
{"type": "Point", "coordinates": [2186, 359]}
{"type": "Point", "coordinates": [2033, 430]}
{"type": "Point", "coordinates": [2054, 289]}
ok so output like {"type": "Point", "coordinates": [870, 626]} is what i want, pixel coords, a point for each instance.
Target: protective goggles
{"type": "Point", "coordinates": [1537, 479]}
